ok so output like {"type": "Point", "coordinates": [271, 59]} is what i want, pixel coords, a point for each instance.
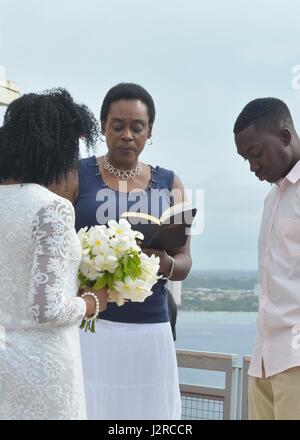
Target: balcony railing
{"type": "Point", "coordinates": [214, 403]}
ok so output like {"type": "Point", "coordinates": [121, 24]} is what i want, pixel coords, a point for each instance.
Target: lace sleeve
{"type": "Point", "coordinates": [54, 270]}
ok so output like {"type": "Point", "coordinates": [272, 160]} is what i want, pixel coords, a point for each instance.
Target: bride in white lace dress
{"type": "Point", "coordinates": [40, 361]}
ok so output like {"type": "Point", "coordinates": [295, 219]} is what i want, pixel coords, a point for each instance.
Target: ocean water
{"type": "Point", "coordinates": [225, 332]}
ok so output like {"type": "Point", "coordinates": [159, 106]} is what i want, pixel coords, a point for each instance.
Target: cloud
{"type": "Point", "coordinates": [202, 62]}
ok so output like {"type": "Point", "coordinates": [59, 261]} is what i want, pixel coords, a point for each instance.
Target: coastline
{"type": "Point", "coordinates": [230, 291]}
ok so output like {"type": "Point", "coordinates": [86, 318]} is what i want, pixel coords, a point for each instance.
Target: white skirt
{"type": "Point", "coordinates": [130, 372]}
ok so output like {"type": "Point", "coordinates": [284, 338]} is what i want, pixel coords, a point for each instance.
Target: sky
{"type": "Point", "coordinates": [201, 61]}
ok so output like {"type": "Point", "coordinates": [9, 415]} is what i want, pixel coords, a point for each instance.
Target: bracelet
{"type": "Point", "coordinates": [91, 317]}
{"type": "Point", "coordinates": [172, 268]}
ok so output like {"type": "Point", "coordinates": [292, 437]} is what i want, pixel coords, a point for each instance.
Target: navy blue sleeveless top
{"type": "Point", "coordinates": [97, 203]}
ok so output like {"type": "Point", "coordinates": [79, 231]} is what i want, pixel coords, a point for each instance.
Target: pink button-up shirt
{"type": "Point", "coordinates": [278, 320]}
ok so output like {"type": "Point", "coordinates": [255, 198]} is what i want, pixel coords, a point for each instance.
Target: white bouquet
{"type": "Point", "coordinates": [112, 258]}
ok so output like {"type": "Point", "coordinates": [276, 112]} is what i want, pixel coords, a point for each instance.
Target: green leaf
{"type": "Point", "coordinates": [84, 282]}
{"type": "Point", "coordinates": [110, 280]}
{"type": "Point", "coordinates": [118, 275]}
{"type": "Point", "coordinates": [125, 264]}
{"type": "Point", "coordinates": [136, 259]}
{"type": "Point", "coordinates": [101, 282]}
{"type": "Point", "coordinates": [134, 266]}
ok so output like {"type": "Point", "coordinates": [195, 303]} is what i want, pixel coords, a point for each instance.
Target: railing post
{"type": "Point", "coordinates": [231, 390]}
{"type": "Point", "coordinates": [239, 393]}
{"type": "Point", "coordinates": [246, 363]}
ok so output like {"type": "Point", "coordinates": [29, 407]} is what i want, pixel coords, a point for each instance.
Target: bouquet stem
{"type": "Point", "coordinates": [88, 325]}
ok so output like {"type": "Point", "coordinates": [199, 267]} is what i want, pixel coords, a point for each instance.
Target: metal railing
{"type": "Point", "coordinates": [210, 402]}
{"type": "Point", "coordinates": [214, 403]}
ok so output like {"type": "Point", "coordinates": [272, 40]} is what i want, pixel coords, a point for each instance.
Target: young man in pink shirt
{"type": "Point", "coordinates": [266, 137]}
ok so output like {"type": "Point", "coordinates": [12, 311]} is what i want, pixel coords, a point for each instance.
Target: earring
{"type": "Point", "coordinates": [102, 138]}
{"type": "Point", "coordinates": [151, 142]}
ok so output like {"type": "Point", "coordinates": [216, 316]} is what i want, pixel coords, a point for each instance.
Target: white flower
{"type": "Point", "coordinates": [138, 235]}
{"type": "Point", "coordinates": [87, 268]}
{"type": "Point", "coordinates": [82, 234]}
{"type": "Point", "coordinates": [106, 262]}
{"type": "Point", "coordinates": [120, 228]}
{"type": "Point", "coordinates": [123, 228]}
{"type": "Point", "coordinates": [150, 268]}
{"type": "Point", "coordinates": [115, 297]}
{"type": "Point", "coordinates": [121, 245]}
{"type": "Point", "coordinates": [135, 247]}
{"type": "Point", "coordinates": [98, 239]}
{"type": "Point", "coordinates": [103, 249]}
{"type": "Point", "coordinates": [135, 290]}
{"type": "Point", "coordinates": [83, 237]}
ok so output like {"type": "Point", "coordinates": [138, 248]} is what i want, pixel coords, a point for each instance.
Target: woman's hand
{"type": "Point", "coordinates": [164, 259]}
{"type": "Point", "coordinates": [102, 296]}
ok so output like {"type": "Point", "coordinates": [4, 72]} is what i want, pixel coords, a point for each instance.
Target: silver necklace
{"type": "Point", "coordinates": [122, 174]}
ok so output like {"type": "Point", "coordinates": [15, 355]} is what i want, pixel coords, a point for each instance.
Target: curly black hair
{"type": "Point", "coordinates": [39, 139]}
{"type": "Point", "coordinates": [263, 113]}
{"type": "Point", "coordinates": [128, 91]}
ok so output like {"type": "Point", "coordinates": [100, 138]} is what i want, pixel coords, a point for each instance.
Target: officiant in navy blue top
{"type": "Point", "coordinates": [136, 374]}
{"type": "Point", "coordinates": [97, 203]}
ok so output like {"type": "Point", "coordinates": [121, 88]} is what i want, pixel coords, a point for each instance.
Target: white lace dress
{"type": "Point", "coordinates": [40, 360]}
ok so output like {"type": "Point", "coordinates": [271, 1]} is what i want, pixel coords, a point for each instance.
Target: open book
{"type": "Point", "coordinates": [167, 232]}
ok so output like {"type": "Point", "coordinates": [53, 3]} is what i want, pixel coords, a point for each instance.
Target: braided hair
{"type": "Point", "coordinates": [39, 139]}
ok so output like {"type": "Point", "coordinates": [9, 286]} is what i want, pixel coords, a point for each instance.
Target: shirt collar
{"type": "Point", "coordinates": [293, 176]}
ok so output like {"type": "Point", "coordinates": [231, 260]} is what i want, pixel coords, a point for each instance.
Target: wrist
{"type": "Point", "coordinates": [92, 305]}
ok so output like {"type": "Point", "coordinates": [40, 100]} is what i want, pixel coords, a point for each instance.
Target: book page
{"type": "Point", "coordinates": [140, 217]}
{"type": "Point", "coordinates": [175, 209]}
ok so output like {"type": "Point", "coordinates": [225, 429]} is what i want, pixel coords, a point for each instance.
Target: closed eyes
{"type": "Point", "coordinates": [119, 128]}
